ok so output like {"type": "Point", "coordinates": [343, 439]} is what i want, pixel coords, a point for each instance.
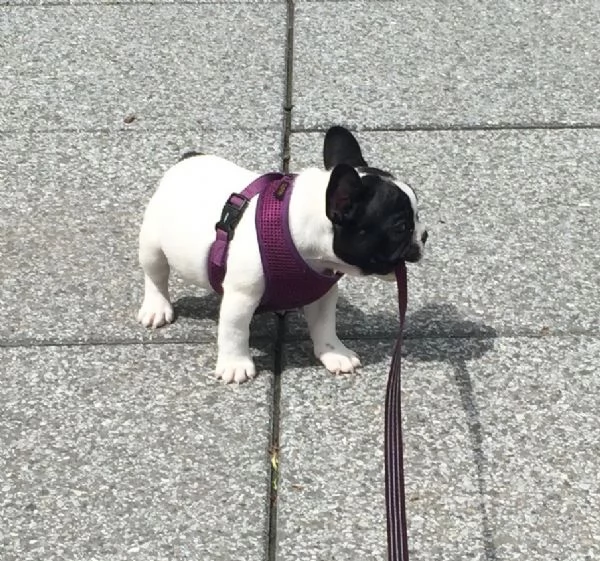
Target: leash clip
{"type": "Point", "coordinates": [232, 213]}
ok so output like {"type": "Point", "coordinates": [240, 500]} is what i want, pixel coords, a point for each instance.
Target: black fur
{"type": "Point", "coordinates": [341, 147]}
{"type": "Point", "coordinates": [373, 219]}
{"type": "Point", "coordinates": [374, 171]}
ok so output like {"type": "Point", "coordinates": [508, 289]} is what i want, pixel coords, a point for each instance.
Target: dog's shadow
{"type": "Point", "coordinates": [429, 331]}
{"type": "Point", "coordinates": [435, 332]}
{"type": "Point", "coordinates": [204, 307]}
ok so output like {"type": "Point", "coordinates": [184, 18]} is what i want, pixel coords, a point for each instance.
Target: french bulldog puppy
{"type": "Point", "coordinates": [349, 218]}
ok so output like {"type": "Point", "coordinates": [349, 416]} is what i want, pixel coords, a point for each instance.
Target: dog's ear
{"type": "Point", "coordinates": [340, 147]}
{"type": "Point", "coordinates": [344, 193]}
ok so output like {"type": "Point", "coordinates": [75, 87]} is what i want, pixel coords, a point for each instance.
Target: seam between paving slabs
{"type": "Point", "coordinates": [306, 130]}
{"type": "Point", "coordinates": [274, 441]}
{"type": "Point", "coordinates": [288, 93]}
{"type": "Point", "coordinates": [593, 333]}
{"type": "Point", "coordinates": [541, 333]}
{"type": "Point", "coordinates": [431, 127]}
{"type": "Point", "coordinates": [121, 342]}
{"type": "Point", "coordinates": [84, 3]}
{"type": "Point", "coordinates": [282, 323]}
{"type": "Point", "coordinates": [141, 129]}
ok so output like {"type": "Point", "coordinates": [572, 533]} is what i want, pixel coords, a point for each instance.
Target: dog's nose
{"type": "Point", "coordinates": [424, 236]}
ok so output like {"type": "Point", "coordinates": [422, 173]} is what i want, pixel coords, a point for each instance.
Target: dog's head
{"type": "Point", "coordinates": [374, 216]}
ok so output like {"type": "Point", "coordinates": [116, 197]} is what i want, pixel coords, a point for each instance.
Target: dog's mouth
{"type": "Point", "coordinates": [414, 254]}
{"type": "Point", "coordinates": [380, 270]}
{"type": "Point", "coordinates": [381, 267]}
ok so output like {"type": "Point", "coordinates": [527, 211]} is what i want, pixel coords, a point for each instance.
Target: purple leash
{"type": "Point", "coordinates": [394, 466]}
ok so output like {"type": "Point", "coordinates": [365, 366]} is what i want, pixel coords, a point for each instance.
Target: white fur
{"type": "Point", "coordinates": [179, 228]}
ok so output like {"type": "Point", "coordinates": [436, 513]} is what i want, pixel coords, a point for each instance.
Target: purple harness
{"type": "Point", "coordinates": [289, 282]}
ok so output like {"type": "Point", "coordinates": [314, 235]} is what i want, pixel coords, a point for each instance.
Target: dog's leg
{"type": "Point", "coordinates": [156, 309]}
{"type": "Point", "coordinates": [320, 317]}
{"type": "Point", "coordinates": [234, 363]}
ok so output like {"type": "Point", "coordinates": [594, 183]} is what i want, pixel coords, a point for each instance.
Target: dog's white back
{"type": "Point", "coordinates": [182, 214]}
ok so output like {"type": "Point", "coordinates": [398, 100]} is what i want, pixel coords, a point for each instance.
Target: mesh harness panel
{"type": "Point", "coordinates": [289, 282]}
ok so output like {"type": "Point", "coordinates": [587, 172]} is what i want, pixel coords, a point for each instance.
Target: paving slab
{"type": "Point", "coordinates": [539, 402]}
{"type": "Point", "coordinates": [73, 205]}
{"type": "Point", "coordinates": [131, 453]}
{"type": "Point", "coordinates": [426, 63]}
{"type": "Point", "coordinates": [501, 440]}
{"type": "Point", "coordinates": [513, 240]}
{"type": "Point", "coordinates": [159, 66]}
{"type": "Point", "coordinates": [331, 502]}
{"type": "Point", "coordinates": [111, 2]}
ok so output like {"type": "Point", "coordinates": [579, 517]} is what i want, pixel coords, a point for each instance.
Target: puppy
{"type": "Point", "coordinates": [349, 218]}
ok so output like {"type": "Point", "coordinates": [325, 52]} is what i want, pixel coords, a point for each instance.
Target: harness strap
{"type": "Point", "coordinates": [232, 212]}
{"type": "Point", "coordinates": [394, 465]}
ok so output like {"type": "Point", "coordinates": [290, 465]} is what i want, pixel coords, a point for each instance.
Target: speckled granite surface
{"type": "Point", "coordinates": [375, 63]}
{"type": "Point", "coordinates": [500, 449]}
{"type": "Point", "coordinates": [131, 452]}
{"type": "Point", "coordinates": [117, 444]}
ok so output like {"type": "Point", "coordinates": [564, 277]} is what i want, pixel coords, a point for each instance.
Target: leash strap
{"type": "Point", "coordinates": [394, 466]}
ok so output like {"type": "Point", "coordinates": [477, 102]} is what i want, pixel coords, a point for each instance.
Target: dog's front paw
{"type": "Point", "coordinates": [337, 358]}
{"type": "Point", "coordinates": [155, 312]}
{"type": "Point", "coordinates": [237, 369]}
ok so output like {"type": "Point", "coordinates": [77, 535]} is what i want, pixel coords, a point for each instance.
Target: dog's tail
{"type": "Point", "coordinates": [190, 154]}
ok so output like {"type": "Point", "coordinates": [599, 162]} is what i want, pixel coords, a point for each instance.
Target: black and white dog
{"type": "Point", "coordinates": [349, 218]}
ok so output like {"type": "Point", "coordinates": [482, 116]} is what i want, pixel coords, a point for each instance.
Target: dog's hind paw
{"type": "Point", "coordinates": [155, 312]}
{"type": "Point", "coordinates": [338, 358]}
{"type": "Point", "coordinates": [238, 370]}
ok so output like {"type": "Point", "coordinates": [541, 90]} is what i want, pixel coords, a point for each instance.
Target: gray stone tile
{"type": "Point", "coordinates": [513, 240]}
{"type": "Point", "coordinates": [331, 490]}
{"type": "Point", "coordinates": [417, 63]}
{"type": "Point", "coordinates": [500, 448]}
{"type": "Point", "coordinates": [131, 453]}
{"type": "Point", "coordinates": [539, 402]}
{"type": "Point", "coordinates": [121, 2]}
{"type": "Point", "coordinates": [174, 66]}
{"type": "Point", "coordinates": [73, 204]}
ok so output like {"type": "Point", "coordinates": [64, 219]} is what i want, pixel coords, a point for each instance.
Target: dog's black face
{"type": "Point", "coordinates": [375, 219]}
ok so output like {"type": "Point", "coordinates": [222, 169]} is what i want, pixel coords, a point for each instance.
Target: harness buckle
{"type": "Point", "coordinates": [232, 213]}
